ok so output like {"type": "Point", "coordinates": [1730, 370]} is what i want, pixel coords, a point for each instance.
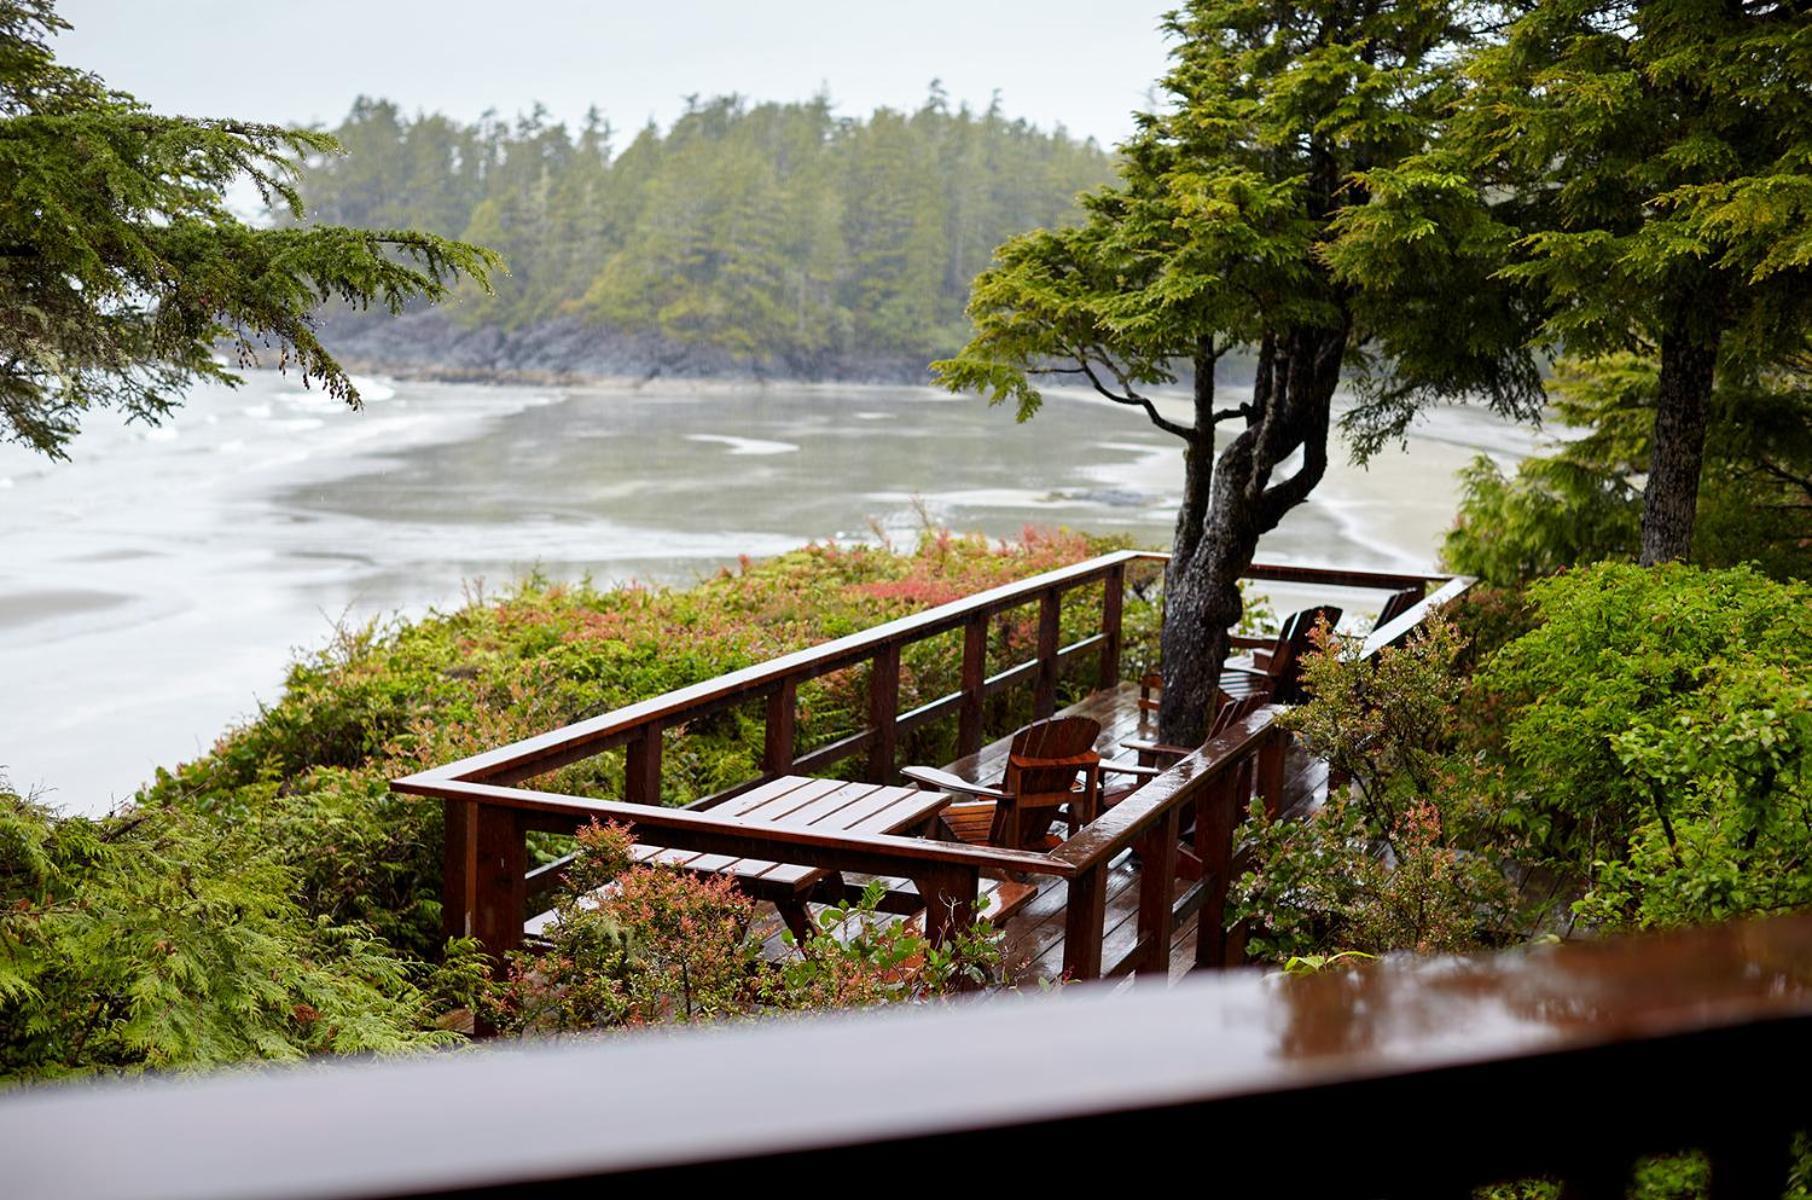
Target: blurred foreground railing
{"type": "Point", "coordinates": [1405, 1077]}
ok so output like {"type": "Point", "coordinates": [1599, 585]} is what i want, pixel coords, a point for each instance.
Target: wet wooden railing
{"type": "Point", "coordinates": [1214, 784]}
{"type": "Point", "coordinates": [488, 814]}
{"type": "Point", "coordinates": [1399, 1078]}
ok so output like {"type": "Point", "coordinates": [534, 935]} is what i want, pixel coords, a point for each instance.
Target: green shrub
{"type": "Point", "coordinates": [1393, 860]}
{"type": "Point", "coordinates": [162, 939]}
{"type": "Point", "coordinates": [632, 944]}
{"type": "Point", "coordinates": [1659, 725]}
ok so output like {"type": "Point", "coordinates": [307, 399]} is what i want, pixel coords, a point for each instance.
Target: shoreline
{"type": "Point", "coordinates": [429, 346]}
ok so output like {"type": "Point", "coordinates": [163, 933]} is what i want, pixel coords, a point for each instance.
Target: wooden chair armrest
{"type": "Point", "coordinates": [944, 781]}
{"type": "Point", "coordinates": [1132, 769]}
{"type": "Point", "coordinates": [1164, 748]}
{"type": "Point", "coordinates": [1087, 758]}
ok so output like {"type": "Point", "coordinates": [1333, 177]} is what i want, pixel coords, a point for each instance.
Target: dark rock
{"type": "Point", "coordinates": [430, 345]}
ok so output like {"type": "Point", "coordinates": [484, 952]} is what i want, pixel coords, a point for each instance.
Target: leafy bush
{"type": "Point", "coordinates": [1388, 863]}
{"type": "Point", "coordinates": [629, 945]}
{"type": "Point", "coordinates": [635, 944]}
{"type": "Point", "coordinates": [1659, 723]}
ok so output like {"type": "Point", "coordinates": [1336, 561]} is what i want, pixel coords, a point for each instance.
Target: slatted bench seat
{"type": "Point", "coordinates": [825, 805]}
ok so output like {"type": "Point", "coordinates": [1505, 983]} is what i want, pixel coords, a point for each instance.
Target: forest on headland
{"type": "Point", "coordinates": [766, 239]}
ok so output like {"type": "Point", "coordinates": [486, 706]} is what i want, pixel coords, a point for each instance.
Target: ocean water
{"type": "Point", "coordinates": [153, 589]}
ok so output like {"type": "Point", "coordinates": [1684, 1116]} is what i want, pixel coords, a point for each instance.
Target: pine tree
{"type": "Point", "coordinates": [121, 267]}
{"type": "Point", "coordinates": [1663, 151]}
{"type": "Point", "coordinates": [1224, 232]}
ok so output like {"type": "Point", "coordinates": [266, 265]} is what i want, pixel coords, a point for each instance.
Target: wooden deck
{"type": "Point", "coordinates": [1130, 891]}
{"type": "Point", "coordinates": [1033, 935]}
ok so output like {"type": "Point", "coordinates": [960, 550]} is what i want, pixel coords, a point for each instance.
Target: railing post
{"type": "Point", "coordinates": [642, 774]}
{"type": "Point", "coordinates": [1157, 884]}
{"type": "Point", "coordinates": [500, 890]}
{"type": "Point", "coordinates": [459, 868]}
{"type": "Point", "coordinates": [1214, 820]}
{"type": "Point", "coordinates": [781, 735]}
{"type": "Point", "coordinates": [1113, 600]}
{"type": "Point", "coordinates": [975, 678]}
{"type": "Point", "coordinates": [1082, 924]}
{"type": "Point", "coordinates": [1271, 771]}
{"type": "Point", "coordinates": [1050, 612]}
{"type": "Point", "coordinates": [883, 712]}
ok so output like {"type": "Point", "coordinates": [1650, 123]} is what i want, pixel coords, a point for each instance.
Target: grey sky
{"type": "Point", "coordinates": [1084, 63]}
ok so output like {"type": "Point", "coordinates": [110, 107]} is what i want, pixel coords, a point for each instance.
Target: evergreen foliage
{"type": "Point", "coordinates": [160, 938]}
{"type": "Point", "coordinates": [1659, 153]}
{"type": "Point", "coordinates": [121, 265]}
{"type": "Point", "coordinates": [1583, 502]}
{"type": "Point", "coordinates": [1247, 215]}
{"type": "Point", "coordinates": [775, 231]}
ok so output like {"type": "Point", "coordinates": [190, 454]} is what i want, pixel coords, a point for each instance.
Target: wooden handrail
{"type": "Point", "coordinates": [543, 752]}
{"type": "Point", "coordinates": [1338, 577]}
{"type": "Point", "coordinates": [1121, 826]}
{"type": "Point", "coordinates": [1465, 1066]}
{"type": "Point", "coordinates": [1215, 781]}
{"type": "Point", "coordinates": [707, 832]}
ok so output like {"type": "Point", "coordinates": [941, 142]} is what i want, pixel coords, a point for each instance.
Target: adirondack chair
{"type": "Point", "coordinates": [1052, 765]}
{"type": "Point", "coordinates": [1268, 674]}
{"type": "Point", "coordinates": [1276, 671]}
{"type": "Point", "coordinates": [1397, 604]}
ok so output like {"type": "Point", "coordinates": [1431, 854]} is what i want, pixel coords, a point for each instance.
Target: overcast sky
{"type": "Point", "coordinates": [1084, 63]}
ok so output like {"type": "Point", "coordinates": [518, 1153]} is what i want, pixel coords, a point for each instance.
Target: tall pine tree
{"type": "Point", "coordinates": [1226, 231]}
{"type": "Point", "coordinates": [1662, 151]}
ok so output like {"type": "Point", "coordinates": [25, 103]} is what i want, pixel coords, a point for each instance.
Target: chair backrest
{"type": "Point", "coordinates": [1230, 710]}
{"type": "Point", "coordinates": [1292, 642]}
{"type": "Point", "coordinates": [1046, 756]}
{"type": "Point", "coordinates": [1397, 604]}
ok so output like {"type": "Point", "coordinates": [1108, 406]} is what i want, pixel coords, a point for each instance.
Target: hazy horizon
{"type": "Point", "coordinates": [636, 63]}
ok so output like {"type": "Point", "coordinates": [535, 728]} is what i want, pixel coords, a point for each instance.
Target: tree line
{"type": "Point", "coordinates": [775, 230]}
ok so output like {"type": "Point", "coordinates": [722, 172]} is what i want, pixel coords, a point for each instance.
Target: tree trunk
{"type": "Point", "coordinates": [1202, 604]}
{"type": "Point", "coordinates": [1670, 500]}
{"type": "Point", "coordinates": [1228, 504]}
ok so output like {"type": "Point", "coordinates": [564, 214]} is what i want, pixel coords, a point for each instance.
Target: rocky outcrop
{"type": "Point", "coordinates": [429, 345]}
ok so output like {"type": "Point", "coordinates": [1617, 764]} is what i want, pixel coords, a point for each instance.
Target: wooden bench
{"type": "Point", "coordinates": [799, 802]}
